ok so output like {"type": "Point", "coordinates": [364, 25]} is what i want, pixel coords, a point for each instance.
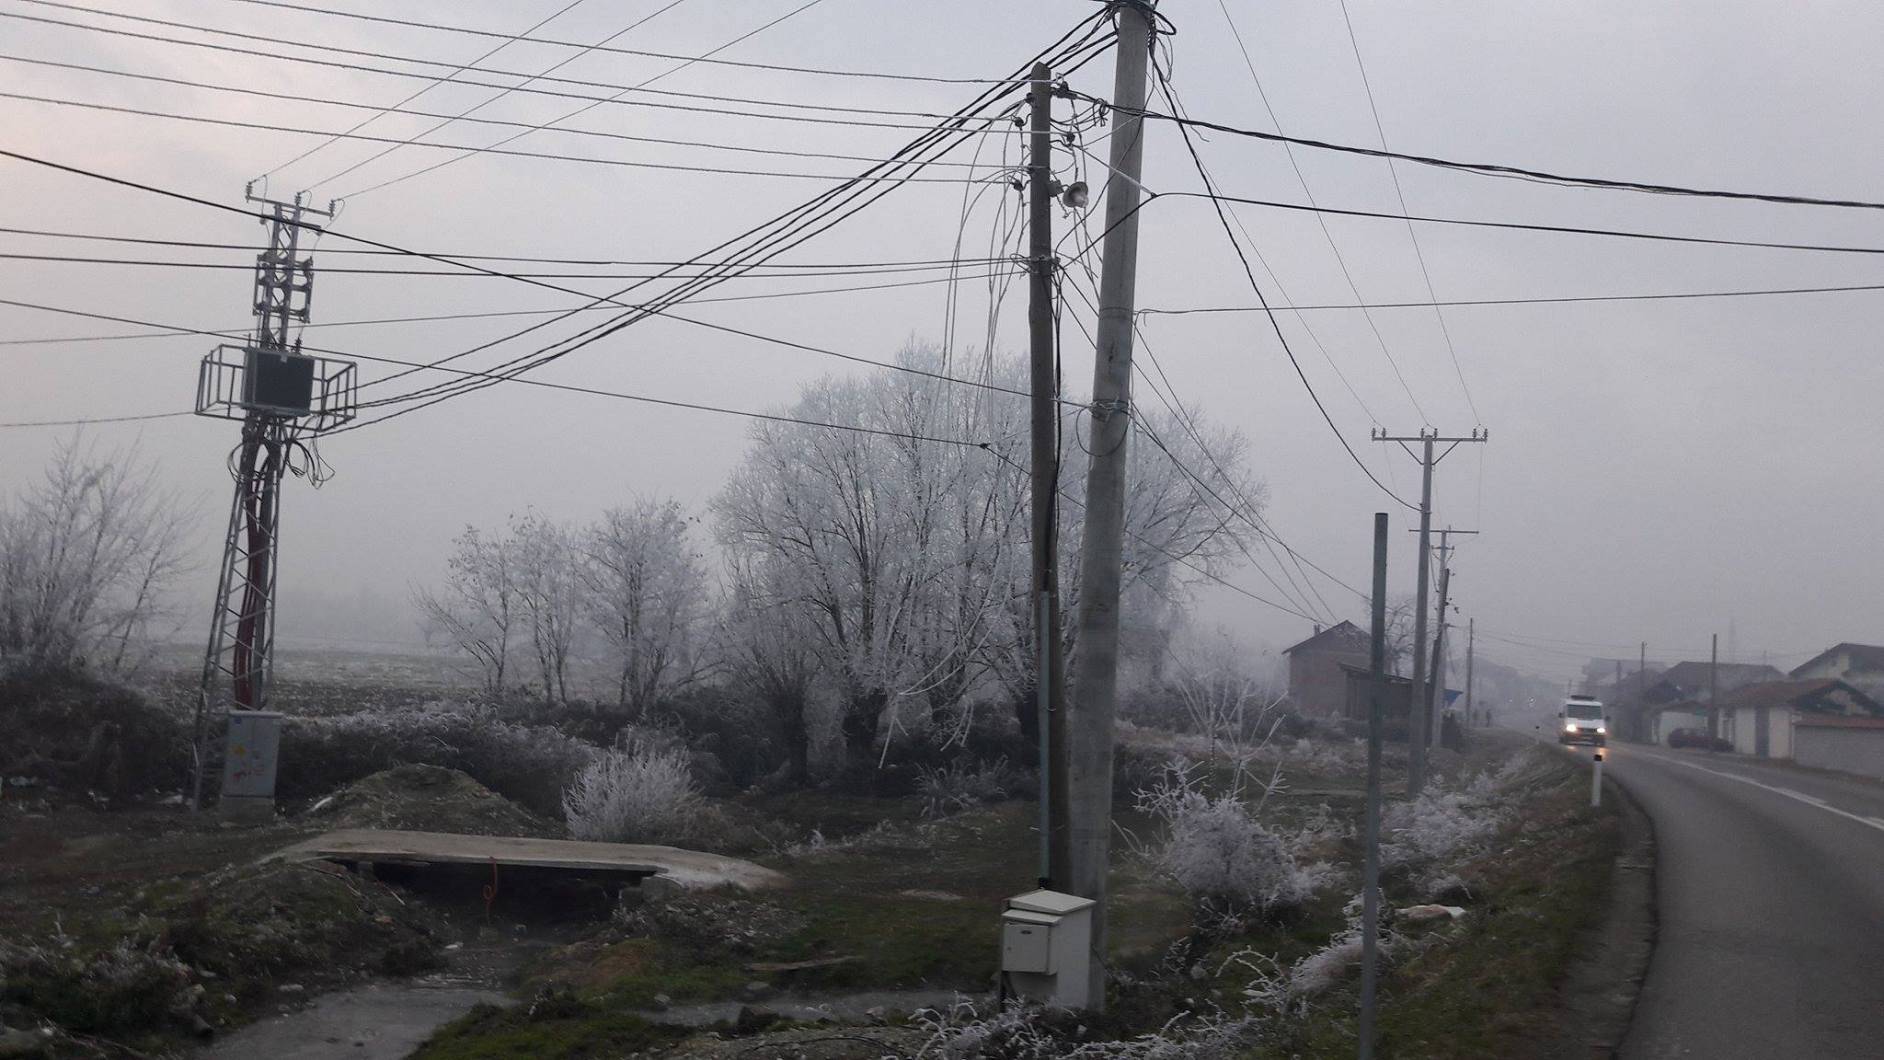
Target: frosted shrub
{"type": "Point", "coordinates": [1436, 826]}
{"type": "Point", "coordinates": [1217, 851]}
{"type": "Point", "coordinates": [639, 795]}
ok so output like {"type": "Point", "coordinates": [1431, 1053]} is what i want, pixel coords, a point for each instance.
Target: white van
{"type": "Point", "coordinates": [1583, 721]}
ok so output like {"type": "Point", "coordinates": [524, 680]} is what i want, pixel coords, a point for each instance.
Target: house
{"type": "Point", "coordinates": [1858, 665]}
{"type": "Point", "coordinates": [1317, 687]}
{"type": "Point", "coordinates": [1690, 680]}
{"type": "Point", "coordinates": [1396, 700]}
{"type": "Point", "coordinates": [1760, 719]}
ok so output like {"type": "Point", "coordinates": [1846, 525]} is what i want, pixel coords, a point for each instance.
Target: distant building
{"type": "Point", "coordinates": [1760, 719]}
{"type": "Point", "coordinates": [1858, 665]}
{"type": "Point", "coordinates": [1665, 718]}
{"type": "Point", "coordinates": [1317, 688]}
{"type": "Point", "coordinates": [1690, 680]}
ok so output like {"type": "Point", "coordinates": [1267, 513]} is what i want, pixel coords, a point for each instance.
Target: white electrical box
{"type": "Point", "coordinates": [1027, 941]}
{"type": "Point", "coordinates": [1046, 947]}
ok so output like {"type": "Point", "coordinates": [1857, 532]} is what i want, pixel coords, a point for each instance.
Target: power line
{"type": "Point", "coordinates": [772, 238]}
{"type": "Point", "coordinates": [583, 110]}
{"type": "Point", "coordinates": [1520, 226]}
{"type": "Point", "coordinates": [501, 313]}
{"type": "Point", "coordinates": [383, 111]}
{"type": "Point", "coordinates": [79, 259]}
{"type": "Point", "coordinates": [1419, 254]}
{"type": "Point", "coordinates": [534, 91]}
{"type": "Point", "coordinates": [628, 51]}
{"type": "Point", "coordinates": [1495, 169]}
{"type": "Point", "coordinates": [1656, 296]}
{"type": "Point", "coordinates": [507, 151]}
{"type": "Point", "coordinates": [894, 264]}
{"type": "Point", "coordinates": [786, 231]}
{"type": "Point", "coordinates": [1297, 600]}
{"type": "Point", "coordinates": [470, 373]}
{"type": "Point", "coordinates": [89, 420]}
{"type": "Point", "coordinates": [1274, 324]}
{"type": "Point", "coordinates": [500, 123]}
{"type": "Point", "coordinates": [1248, 511]}
{"type": "Point", "coordinates": [1167, 553]}
{"type": "Point", "coordinates": [499, 94]}
{"type": "Point", "coordinates": [1341, 260]}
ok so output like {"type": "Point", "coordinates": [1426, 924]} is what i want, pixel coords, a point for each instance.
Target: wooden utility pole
{"type": "Point", "coordinates": [1438, 671]}
{"type": "Point", "coordinates": [1419, 731]}
{"type": "Point", "coordinates": [1370, 827]}
{"type": "Point", "coordinates": [1713, 692]}
{"type": "Point", "coordinates": [1049, 672]}
{"type": "Point", "coordinates": [1471, 643]}
{"type": "Point", "coordinates": [1096, 667]}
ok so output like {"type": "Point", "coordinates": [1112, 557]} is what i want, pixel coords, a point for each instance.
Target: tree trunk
{"type": "Point", "coordinates": [863, 720]}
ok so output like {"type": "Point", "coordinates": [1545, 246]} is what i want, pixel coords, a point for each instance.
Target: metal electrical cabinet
{"type": "Point", "coordinates": [1046, 947]}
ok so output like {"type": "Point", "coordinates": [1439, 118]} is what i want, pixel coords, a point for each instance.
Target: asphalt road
{"type": "Point", "coordinates": [1770, 909]}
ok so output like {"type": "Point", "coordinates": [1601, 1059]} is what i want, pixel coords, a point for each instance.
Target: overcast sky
{"type": "Point", "coordinates": [1656, 470]}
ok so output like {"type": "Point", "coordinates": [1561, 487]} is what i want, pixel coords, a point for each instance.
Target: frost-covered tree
{"type": "Point", "coordinates": [546, 563]}
{"type": "Point", "coordinates": [887, 534]}
{"type": "Point", "coordinates": [87, 558]}
{"type": "Point", "coordinates": [645, 589]}
{"type": "Point", "coordinates": [902, 531]}
{"type": "Point", "coordinates": [478, 609]}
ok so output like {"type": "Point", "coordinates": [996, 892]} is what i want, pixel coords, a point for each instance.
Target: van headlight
{"type": "Point", "coordinates": [1602, 730]}
{"type": "Point", "coordinates": [1569, 726]}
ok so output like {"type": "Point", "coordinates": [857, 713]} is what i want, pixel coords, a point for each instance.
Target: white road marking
{"type": "Point", "coordinates": [1798, 796]}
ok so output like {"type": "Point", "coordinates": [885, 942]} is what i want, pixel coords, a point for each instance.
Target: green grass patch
{"type": "Point", "coordinates": [560, 1027]}
{"type": "Point", "coordinates": [1494, 986]}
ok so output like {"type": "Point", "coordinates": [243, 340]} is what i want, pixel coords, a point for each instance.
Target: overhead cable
{"type": "Point", "coordinates": [1496, 169]}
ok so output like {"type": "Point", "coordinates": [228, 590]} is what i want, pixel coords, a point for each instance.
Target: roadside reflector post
{"type": "Point", "coordinates": [1596, 780]}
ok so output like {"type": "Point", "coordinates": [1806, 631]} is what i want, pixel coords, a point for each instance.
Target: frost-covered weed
{"type": "Point", "coordinates": [961, 786]}
{"type": "Point", "coordinates": [133, 984]}
{"type": "Point", "coordinates": [1029, 1032]}
{"type": "Point", "coordinates": [1440, 825]}
{"type": "Point", "coordinates": [1218, 852]}
{"type": "Point", "coordinates": [643, 794]}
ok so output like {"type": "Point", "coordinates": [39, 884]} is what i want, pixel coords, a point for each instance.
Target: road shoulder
{"type": "Point", "coordinates": [1606, 981]}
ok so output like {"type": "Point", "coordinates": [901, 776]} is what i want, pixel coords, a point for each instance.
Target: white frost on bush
{"type": "Point", "coordinates": [1023, 1032]}
{"type": "Point", "coordinates": [1217, 849]}
{"type": "Point", "coordinates": [640, 795]}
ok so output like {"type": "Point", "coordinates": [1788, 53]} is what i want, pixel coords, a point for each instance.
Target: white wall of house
{"type": "Point", "coordinates": [1745, 730]}
{"type": "Point", "coordinates": [1858, 751]}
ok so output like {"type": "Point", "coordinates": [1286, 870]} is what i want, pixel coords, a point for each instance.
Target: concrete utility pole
{"type": "Point", "coordinates": [1096, 668]}
{"type": "Point", "coordinates": [1418, 730]}
{"type": "Point", "coordinates": [1049, 673]}
{"type": "Point", "coordinates": [1370, 828]}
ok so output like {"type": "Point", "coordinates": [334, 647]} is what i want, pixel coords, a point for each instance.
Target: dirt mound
{"type": "Point", "coordinates": [69, 730]}
{"type": "Point", "coordinates": [422, 798]}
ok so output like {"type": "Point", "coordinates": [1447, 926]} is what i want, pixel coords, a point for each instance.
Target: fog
{"type": "Point", "coordinates": [1656, 471]}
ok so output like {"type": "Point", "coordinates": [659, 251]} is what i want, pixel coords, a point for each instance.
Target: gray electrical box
{"type": "Point", "coordinates": [1046, 947]}
{"type": "Point", "coordinates": [248, 763]}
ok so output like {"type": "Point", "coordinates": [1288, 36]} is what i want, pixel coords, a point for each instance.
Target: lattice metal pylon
{"type": "Point", "coordinates": [278, 394]}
